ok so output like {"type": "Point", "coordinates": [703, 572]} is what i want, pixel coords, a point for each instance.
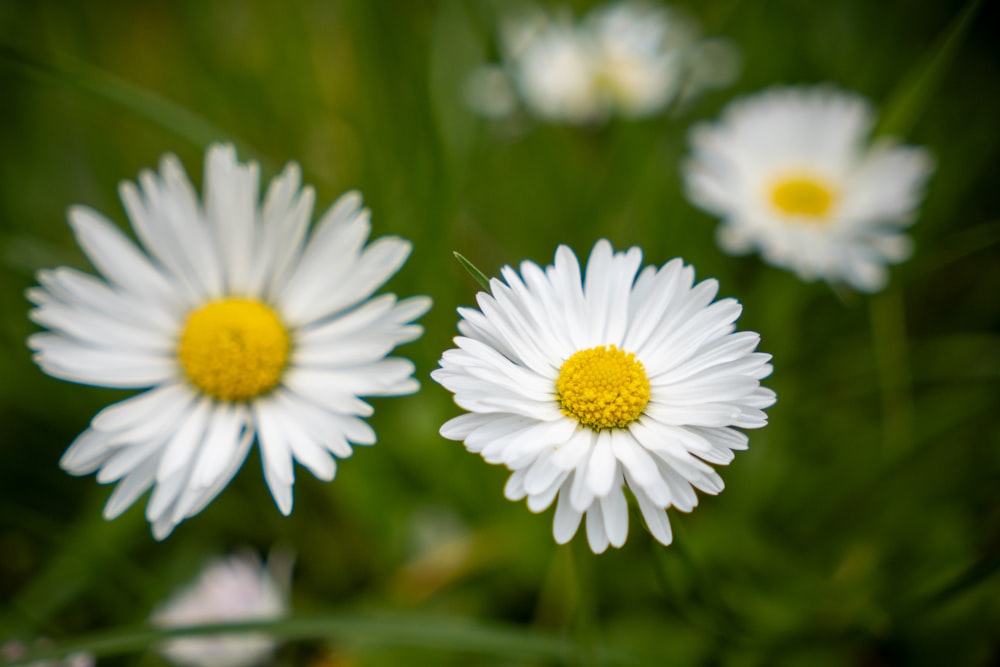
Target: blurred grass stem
{"type": "Point", "coordinates": [915, 91]}
{"type": "Point", "coordinates": [410, 630]}
{"type": "Point", "coordinates": [144, 103]}
{"type": "Point", "coordinates": [892, 367]}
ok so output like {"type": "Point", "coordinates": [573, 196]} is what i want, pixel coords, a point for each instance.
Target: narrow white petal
{"type": "Point", "coordinates": [642, 468]}
{"type": "Point", "coordinates": [173, 476]}
{"type": "Point", "coordinates": [580, 495]}
{"type": "Point", "coordinates": [231, 191]}
{"type": "Point", "coordinates": [181, 449]}
{"type": "Point", "coordinates": [130, 488]}
{"type": "Point", "coordinates": [614, 509]}
{"type": "Point", "coordinates": [541, 474]}
{"type": "Point", "coordinates": [196, 498]}
{"type": "Point", "coordinates": [541, 501]}
{"type": "Point", "coordinates": [128, 457]}
{"type": "Point", "coordinates": [655, 518]}
{"type": "Point", "coordinates": [567, 519]}
{"type": "Point", "coordinates": [574, 451]}
{"type": "Point", "coordinates": [87, 452]}
{"type": "Point", "coordinates": [705, 414]}
{"type": "Point", "coordinates": [154, 418]}
{"type": "Point", "coordinates": [221, 445]}
{"type": "Point", "coordinates": [119, 369]}
{"type": "Point", "coordinates": [514, 488]}
{"type": "Point", "coordinates": [117, 258]}
{"type": "Point", "coordinates": [597, 536]}
{"type": "Point", "coordinates": [602, 466]}
{"type": "Point", "coordinates": [330, 390]}
{"type": "Point", "coordinates": [275, 453]}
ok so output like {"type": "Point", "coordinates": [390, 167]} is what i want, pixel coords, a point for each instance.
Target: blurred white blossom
{"type": "Point", "coordinates": [234, 589]}
{"type": "Point", "coordinates": [791, 174]}
{"type": "Point", "coordinates": [629, 58]}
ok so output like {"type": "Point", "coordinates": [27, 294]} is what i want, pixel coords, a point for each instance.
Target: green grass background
{"type": "Point", "coordinates": [861, 528]}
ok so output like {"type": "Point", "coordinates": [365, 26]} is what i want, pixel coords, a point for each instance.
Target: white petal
{"type": "Point", "coordinates": [151, 416]}
{"type": "Point", "coordinates": [87, 452]}
{"type": "Point", "coordinates": [541, 501]}
{"type": "Point", "coordinates": [130, 488]}
{"type": "Point", "coordinates": [117, 258]}
{"type": "Point", "coordinates": [119, 369]}
{"type": "Point", "coordinates": [182, 447]}
{"type": "Point", "coordinates": [597, 536]}
{"type": "Point", "coordinates": [200, 496]}
{"type": "Point", "coordinates": [567, 519]}
{"type": "Point", "coordinates": [541, 474]}
{"type": "Point", "coordinates": [128, 457]}
{"type": "Point", "coordinates": [607, 285]}
{"type": "Point", "coordinates": [705, 414]}
{"type": "Point", "coordinates": [615, 512]}
{"type": "Point", "coordinates": [285, 220]}
{"type": "Point", "coordinates": [641, 468]}
{"type": "Point", "coordinates": [275, 452]}
{"type": "Point", "coordinates": [231, 191]}
{"type": "Point", "coordinates": [655, 518]}
{"type": "Point", "coordinates": [332, 391]}
{"type": "Point", "coordinates": [177, 461]}
{"type": "Point", "coordinates": [602, 466]}
{"type": "Point", "coordinates": [221, 446]}
{"type": "Point", "coordinates": [168, 220]}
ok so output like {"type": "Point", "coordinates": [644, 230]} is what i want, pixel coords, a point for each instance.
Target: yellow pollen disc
{"type": "Point", "coordinates": [234, 349]}
{"type": "Point", "coordinates": [603, 387]}
{"type": "Point", "coordinates": [802, 196]}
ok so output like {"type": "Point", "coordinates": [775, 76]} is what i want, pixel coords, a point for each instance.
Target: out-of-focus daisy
{"type": "Point", "coordinates": [624, 378]}
{"type": "Point", "coordinates": [642, 55]}
{"type": "Point", "coordinates": [627, 58]}
{"type": "Point", "coordinates": [790, 173]}
{"type": "Point", "coordinates": [230, 590]}
{"type": "Point", "coordinates": [240, 324]}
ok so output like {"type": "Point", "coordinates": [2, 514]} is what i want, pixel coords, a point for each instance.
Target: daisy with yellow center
{"type": "Point", "coordinates": [790, 175]}
{"type": "Point", "coordinates": [584, 386]}
{"type": "Point", "coordinates": [240, 325]}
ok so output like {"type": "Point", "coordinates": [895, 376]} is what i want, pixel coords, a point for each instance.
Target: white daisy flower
{"type": "Point", "coordinates": [553, 69]}
{"type": "Point", "coordinates": [790, 174]}
{"type": "Point", "coordinates": [230, 590]}
{"type": "Point", "coordinates": [627, 58]}
{"type": "Point", "coordinates": [240, 325]}
{"type": "Point", "coordinates": [583, 387]}
{"type": "Point", "coordinates": [642, 55]}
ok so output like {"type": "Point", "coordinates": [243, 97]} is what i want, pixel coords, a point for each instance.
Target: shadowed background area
{"type": "Point", "coordinates": [862, 526]}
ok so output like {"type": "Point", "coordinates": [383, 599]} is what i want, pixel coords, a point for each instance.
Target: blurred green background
{"type": "Point", "coordinates": [862, 527]}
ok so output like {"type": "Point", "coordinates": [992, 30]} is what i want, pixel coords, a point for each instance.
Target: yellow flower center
{"type": "Point", "coordinates": [234, 349]}
{"type": "Point", "coordinates": [603, 387]}
{"type": "Point", "coordinates": [803, 196]}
